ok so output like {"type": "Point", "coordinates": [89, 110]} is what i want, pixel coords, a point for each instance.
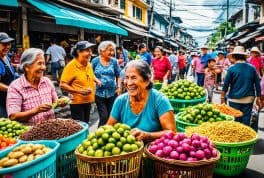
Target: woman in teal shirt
{"type": "Point", "coordinates": [143, 108]}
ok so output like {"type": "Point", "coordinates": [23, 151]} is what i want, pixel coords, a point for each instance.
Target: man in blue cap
{"type": "Point", "coordinates": [7, 72]}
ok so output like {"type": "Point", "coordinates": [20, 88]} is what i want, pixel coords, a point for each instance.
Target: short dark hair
{"type": "Point", "coordinates": [52, 41]}
{"type": "Point", "coordinates": [142, 45]}
{"type": "Point", "coordinates": [143, 69]}
{"type": "Point", "coordinates": [210, 60]}
{"type": "Point", "coordinates": [239, 57]}
{"type": "Point", "coordinates": [119, 48]}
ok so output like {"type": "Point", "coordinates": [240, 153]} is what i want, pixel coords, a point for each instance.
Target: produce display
{"type": "Point", "coordinates": [11, 129]}
{"type": "Point", "coordinates": [201, 113]}
{"type": "Point", "coordinates": [184, 90]}
{"type": "Point", "coordinates": [109, 141]}
{"type": "Point", "coordinates": [23, 153]}
{"type": "Point", "coordinates": [6, 142]}
{"type": "Point", "coordinates": [224, 131]}
{"type": "Point", "coordinates": [225, 109]}
{"type": "Point", "coordinates": [63, 99]}
{"type": "Point", "coordinates": [52, 129]}
{"type": "Point", "coordinates": [180, 147]}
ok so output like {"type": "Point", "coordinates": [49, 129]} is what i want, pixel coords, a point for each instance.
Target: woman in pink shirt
{"type": "Point", "coordinates": [255, 60]}
{"type": "Point", "coordinates": [198, 68]}
{"type": "Point", "coordinates": [29, 97]}
{"type": "Point", "coordinates": [161, 65]}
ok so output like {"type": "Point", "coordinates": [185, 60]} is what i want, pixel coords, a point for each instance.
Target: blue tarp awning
{"type": "Point", "coordinates": [157, 33]}
{"type": "Point", "coordinates": [12, 3]}
{"type": "Point", "coordinates": [71, 17]}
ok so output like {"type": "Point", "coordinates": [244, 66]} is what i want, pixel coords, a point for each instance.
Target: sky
{"type": "Point", "coordinates": [200, 17]}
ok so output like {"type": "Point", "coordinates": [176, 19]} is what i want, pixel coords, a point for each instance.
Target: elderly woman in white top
{"type": "Point", "coordinates": [29, 97]}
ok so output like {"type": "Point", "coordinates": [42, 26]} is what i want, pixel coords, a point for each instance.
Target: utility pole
{"type": "Point", "coordinates": [227, 16]}
{"type": "Point", "coordinates": [152, 14]}
{"type": "Point", "coordinates": [170, 19]}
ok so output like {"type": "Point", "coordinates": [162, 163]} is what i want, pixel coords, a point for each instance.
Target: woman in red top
{"type": "Point", "coordinates": [161, 65]}
{"type": "Point", "coordinates": [182, 64]}
{"type": "Point", "coordinates": [256, 60]}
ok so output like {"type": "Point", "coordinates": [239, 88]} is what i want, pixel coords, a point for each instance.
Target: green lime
{"type": "Point", "coordinates": [123, 153]}
{"type": "Point", "coordinates": [126, 133]}
{"type": "Point", "coordinates": [119, 144]}
{"type": "Point", "coordinates": [116, 135]}
{"type": "Point", "coordinates": [117, 125]}
{"type": "Point", "coordinates": [94, 140]}
{"type": "Point", "coordinates": [105, 136]}
{"type": "Point", "coordinates": [99, 132]}
{"type": "Point", "coordinates": [100, 142]}
{"type": "Point", "coordinates": [125, 127]}
{"type": "Point", "coordinates": [81, 149]}
{"type": "Point", "coordinates": [123, 140]}
{"type": "Point", "coordinates": [86, 144]}
{"type": "Point", "coordinates": [84, 152]}
{"type": "Point", "coordinates": [134, 147]}
{"type": "Point", "coordinates": [107, 153]}
{"type": "Point", "coordinates": [90, 152]}
{"type": "Point", "coordinates": [116, 151]}
{"type": "Point", "coordinates": [99, 153]}
{"type": "Point", "coordinates": [120, 130]}
{"type": "Point", "coordinates": [111, 140]}
{"type": "Point", "coordinates": [109, 146]}
{"type": "Point", "coordinates": [91, 136]}
{"type": "Point", "coordinates": [127, 147]}
{"type": "Point", "coordinates": [131, 139]}
{"type": "Point", "coordinates": [95, 146]}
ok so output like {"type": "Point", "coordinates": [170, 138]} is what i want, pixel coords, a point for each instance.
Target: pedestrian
{"type": "Point", "coordinates": [161, 65]}
{"type": "Point", "coordinates": [256, 61]}
{"type": "Point", "coordinates": [221, 63]}
{"type": "Point", "coordinates": [182, 64]}
{"type": "Point", "coordinates": [30, 97]}
{"type": "Point", "coordinates": [7, 72]}
{"type": "Point", "coordinates": [107, 71]}
{"type": "Point", "coordinates": [242, 84]}
{"type": "Point", "coordinates": [120, 57]}
{"type": "Point", "coordinates": [15, 60]}
{"type": "Point", "coordinates": [189, 63]}
{"type": "Point", "coordinates": [144, 55]}
{"type": "Point", "coordinates": [79, 80]}
{"type": "Point", "coordinates": [210, 78]}
{"type": "Point", "coordinates": [174, 65]}
{"type": "Point", "coordinates": [198, 68]}
{"type": "Point", "coordinates": [56, 54]}
{"type": "Point", "coordinates": [205, 55]}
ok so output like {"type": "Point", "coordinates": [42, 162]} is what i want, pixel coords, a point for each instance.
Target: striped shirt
{"type": "Point", "coordinates": [22, 96]}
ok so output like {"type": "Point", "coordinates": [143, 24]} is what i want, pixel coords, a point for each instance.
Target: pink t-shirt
{"type": "Point", "coordinates": [21, 96]}
{"type": "Point", "coordinates": [161, 67]}
{"type": "Point", "coordinates": [262, 86]}
{"type": "Point", "coordinates": [199, 67]}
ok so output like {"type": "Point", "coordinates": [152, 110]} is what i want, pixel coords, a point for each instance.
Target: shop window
{"type": "Point", "coordinates": [122, 4]}
{"type": "Point", "coordinates": [137, 13]}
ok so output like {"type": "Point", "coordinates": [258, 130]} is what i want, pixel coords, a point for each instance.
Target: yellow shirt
{"type": "Point", "coordinates": [79, 77]}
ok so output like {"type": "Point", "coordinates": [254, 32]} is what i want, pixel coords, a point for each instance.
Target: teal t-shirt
{"type": "Point", "coordinates": [148, 119]}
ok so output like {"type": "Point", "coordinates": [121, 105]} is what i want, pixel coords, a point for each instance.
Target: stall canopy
{"type": "Point", "coordinates": [71, 17]}
{"type": "Point", "coordinates": [12, 3]}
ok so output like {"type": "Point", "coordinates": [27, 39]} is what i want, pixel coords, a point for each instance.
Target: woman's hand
{"type": "Point", "coordinates": [43, 108]}
{"type": "Point", "coordinates": [140, 135]}
{"type": "Point", "coordinates": [259, 103]}
{"type": "Point", "coordinates": [85, 91]}
{"type": "Point", "coordinates": [98, 82]}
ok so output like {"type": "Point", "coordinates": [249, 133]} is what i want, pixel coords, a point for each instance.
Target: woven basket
{"type": "Point", "coordinates": [121, 166]}
{"type": "Point", "coordinates": [163, 168]}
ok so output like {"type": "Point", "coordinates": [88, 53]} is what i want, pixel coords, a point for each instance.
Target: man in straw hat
{"type": "Point", "coordinates": [242, 84]}
{"type": "Point", "coordinates": [255, 60]}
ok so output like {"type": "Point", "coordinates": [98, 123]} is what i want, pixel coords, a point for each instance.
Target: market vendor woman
{"type": "Point", "coordinates": [29, 97]}
{"type": "Point", "coordinates": [142, 108]}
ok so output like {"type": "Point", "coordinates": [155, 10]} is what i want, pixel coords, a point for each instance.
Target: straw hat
{"type": "Point", "coordinates": [204, 47]}
{"type": "Point", "coordinates": [238, 50]}
{"type": "Point", "coordinates": [255, 49]}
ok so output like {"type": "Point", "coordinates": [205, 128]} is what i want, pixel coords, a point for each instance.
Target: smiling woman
{"type": "Point", "coordinates": [29, 97]}
{"type": "Point", "coordinates": [143, 108]}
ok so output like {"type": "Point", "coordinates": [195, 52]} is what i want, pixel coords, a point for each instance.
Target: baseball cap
{"type": "Point", "coordinates": [4, 38]}
{"type": "Point", "coordinates": [83, 45]}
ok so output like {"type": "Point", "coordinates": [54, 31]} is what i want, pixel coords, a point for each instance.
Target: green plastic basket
{"type": "Point", "coordinates": [179, 104]}
{"type": "Point", "coordinates": [157, 86]}
{"type": "Point", "coordinates": [234, 157]}
{"type": "Point", "coordinates": [181, 125]}
{"type": "Point", "coordinates": [44, 166]}
{"type": "Point", "coordinates": [66, 160]}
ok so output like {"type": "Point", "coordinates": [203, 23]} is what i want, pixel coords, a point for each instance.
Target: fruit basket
{"type": "Point", "coordinates": [66, 160]}
{"type": "Point", "coordinates": [163, 168]}
{"type": "Point", "coordinates": [44, 166]}
{"type": "Point", "coordinates": [121, 166]}
{"type": "Point", "coordinates": [178, 104]}
{"type": "Point", "coordinates": [234, 157]}
{"type": "Point", "coordinates": [181, 125]}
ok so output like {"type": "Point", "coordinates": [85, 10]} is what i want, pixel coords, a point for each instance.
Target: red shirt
{"type": "Point", "coordinates": [182, 62]}
{"type": "Point", "coordinates": [257, 63]}
{"type": "Point", "coordinates": [161, 67]}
